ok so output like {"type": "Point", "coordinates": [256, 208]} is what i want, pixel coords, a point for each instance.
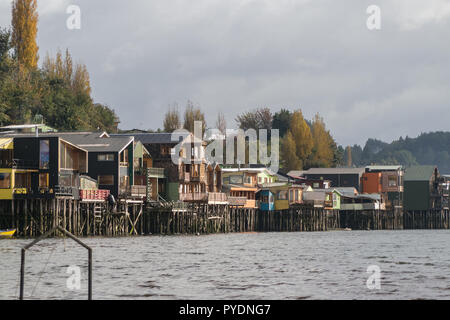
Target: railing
{"type": "Point", "coordinates": [134, 191]}
{"type": "Point", "coordinates": [217, 197]}
{"type": "Point", "coordinates": [201, 196]}
{"type": "Point", "coordinates": [94, 194]}
{"type": "Point", "coordinates": [156, 172]}
{"type": "Point", "coordinates": [66, 190]}
{"type": "Point", "coordinates": [19, 164]}
{"type": "Point", "coordinates": [237, 201]}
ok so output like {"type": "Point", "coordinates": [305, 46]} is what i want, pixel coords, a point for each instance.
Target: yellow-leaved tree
{"type": "Point", "coordinates": [297, 144]}
{"type": "Point", "coordinates": [322, 153]}
{"type": "Point", "coordinates": [24, 32]}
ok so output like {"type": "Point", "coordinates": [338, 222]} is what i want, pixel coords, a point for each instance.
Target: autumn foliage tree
{"type": "Point", "coordinates": [322, 153]}
{"type": "Point", "coordinates": [24, 32]}
{"type": "Point", "coordinates": [298, 143]}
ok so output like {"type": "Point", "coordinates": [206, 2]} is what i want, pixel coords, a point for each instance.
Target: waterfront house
{"type": "Point", "coordinates": [12, 179]}
{"type": "Point", "coordinates": [280, 192]}
{"type": "Point", "coordinates": [419, 187]}
{"type": "Point", "coordinates": [339, 177]}
{"type": "Point", "coordinates": [248, 176]}
{"type": "Point", "coordinates": [266, 200]}
{"type": "Point", "coordinates": [386, 180]}
{"type": "Point", "coordinates": [241, 196]}
{"type": "Point", "coordinates": [184, 181]}
{"type": "Point", "coordinates": [362, 202]}
{"type": "Point", "coordinates": [332, 198]}
{"type": "Point", "coordinates": [297, 177]}
{"type": "Point", "coordinates": [49, 166]}
{"type": "Point", "coordinates": [314, 198]}
{"type": "Point", "coordinates": [296, 193]}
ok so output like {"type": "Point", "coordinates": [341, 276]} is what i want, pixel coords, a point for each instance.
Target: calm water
{"type": "Point", "coordinates": [322, 265]}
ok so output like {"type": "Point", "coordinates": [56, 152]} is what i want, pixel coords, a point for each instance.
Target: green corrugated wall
{"type": "Point", "coordinates": [416, 195]}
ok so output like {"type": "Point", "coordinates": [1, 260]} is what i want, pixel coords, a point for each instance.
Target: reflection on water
{"type": "Point", "coordinates": [319, 265]}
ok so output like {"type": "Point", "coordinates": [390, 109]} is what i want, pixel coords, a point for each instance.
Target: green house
{"type": "Point", "coordinates": [418, 183]}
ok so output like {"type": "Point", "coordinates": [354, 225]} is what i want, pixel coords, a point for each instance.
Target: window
{"type": "Point", "coordinates": [5, 180]}
{"type": "Point", "coordinates": [22, 180]}
{"type": "Point", "coordinates": [106, 180]}
{"type": "Point", "coordinates": [282, 195]}
{"type": "Point", "coordinates": [44, 154]}
{"type": "Point", "coordinates": [43, 180]}
{"type": "Point", "coordinates": [291, 195]}
{"type": "Point", "coordinates": [392, 181]}
{"type": "Point", "coordinates": [105, 157]}
{"type": "Point", "coordinates": [65, 180]}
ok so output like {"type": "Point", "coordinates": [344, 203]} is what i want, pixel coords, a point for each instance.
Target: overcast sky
{"type": "Point", "coordinates": [230, 55]}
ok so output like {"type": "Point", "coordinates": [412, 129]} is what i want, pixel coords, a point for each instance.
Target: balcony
{"type": "Point", "coordinates": [217, 198]}
{"type": "Point", "coordinates": [156, 173]}
{"type": "Point", "coordinates": [237, 201]}
{"type": "Point", "coordinates": [194, 197]}
{"type": "Point", "coordinates": [18, 164]}
{"type": "Point", "coordinates": [133, 191]}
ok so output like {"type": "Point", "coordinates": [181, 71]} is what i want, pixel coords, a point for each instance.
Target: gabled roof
{"type": "Point", "coordinates": [89, 141]}
{"type": "Point", "coordinates": [419, 173]}
{"type": "Point", "coordinates": [97, 142]}
{"type": "Point", "coordinates": [156, 138]}
{"type": "Point", "coordinates": [296, 173]}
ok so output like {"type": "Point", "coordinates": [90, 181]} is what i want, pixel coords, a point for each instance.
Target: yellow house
{"type": "Point", "coordinates": [12, 180]}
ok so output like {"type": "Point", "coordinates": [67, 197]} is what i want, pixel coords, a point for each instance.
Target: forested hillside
{"type": "Point", "coordinates": [427, 149]}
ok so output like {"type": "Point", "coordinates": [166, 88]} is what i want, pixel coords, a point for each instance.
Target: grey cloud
{"type": "Point", "coordinates": [238, 55]}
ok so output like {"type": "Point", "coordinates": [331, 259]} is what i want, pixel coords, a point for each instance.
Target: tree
{"type": "Point", "coordinates": [282, 121]}
{"type": "Point", "coordinates": [24, 24]}
{"type": "Point", "coordinates": [289, 158]}
{"type": "Point", "coordinates": [301, 134]}
{"type": "Point", "coordinates": [191, 115]}
{"type": "Point", "coordinates": [172, 120]}
{"type": "Point", "coordinates": [260, 118]}
{"type": "Point", "coordinates": [322, 155]}
{"type": "Point", "coordinates": [221, 123]}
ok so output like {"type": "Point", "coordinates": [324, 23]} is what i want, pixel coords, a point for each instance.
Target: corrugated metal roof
{"type": "Point", "coordinates": [295, 173]}
{"type": "Point", "coordinates": [419, 173]}
{"type": "Point", "coordinates": [383, 168]}
{"type": "Point", "coordinates": [154, 138]}
{"type": "Point", "coordinates": [314, 195]}
{"type": "Point", "coordinates": [335, 171]}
